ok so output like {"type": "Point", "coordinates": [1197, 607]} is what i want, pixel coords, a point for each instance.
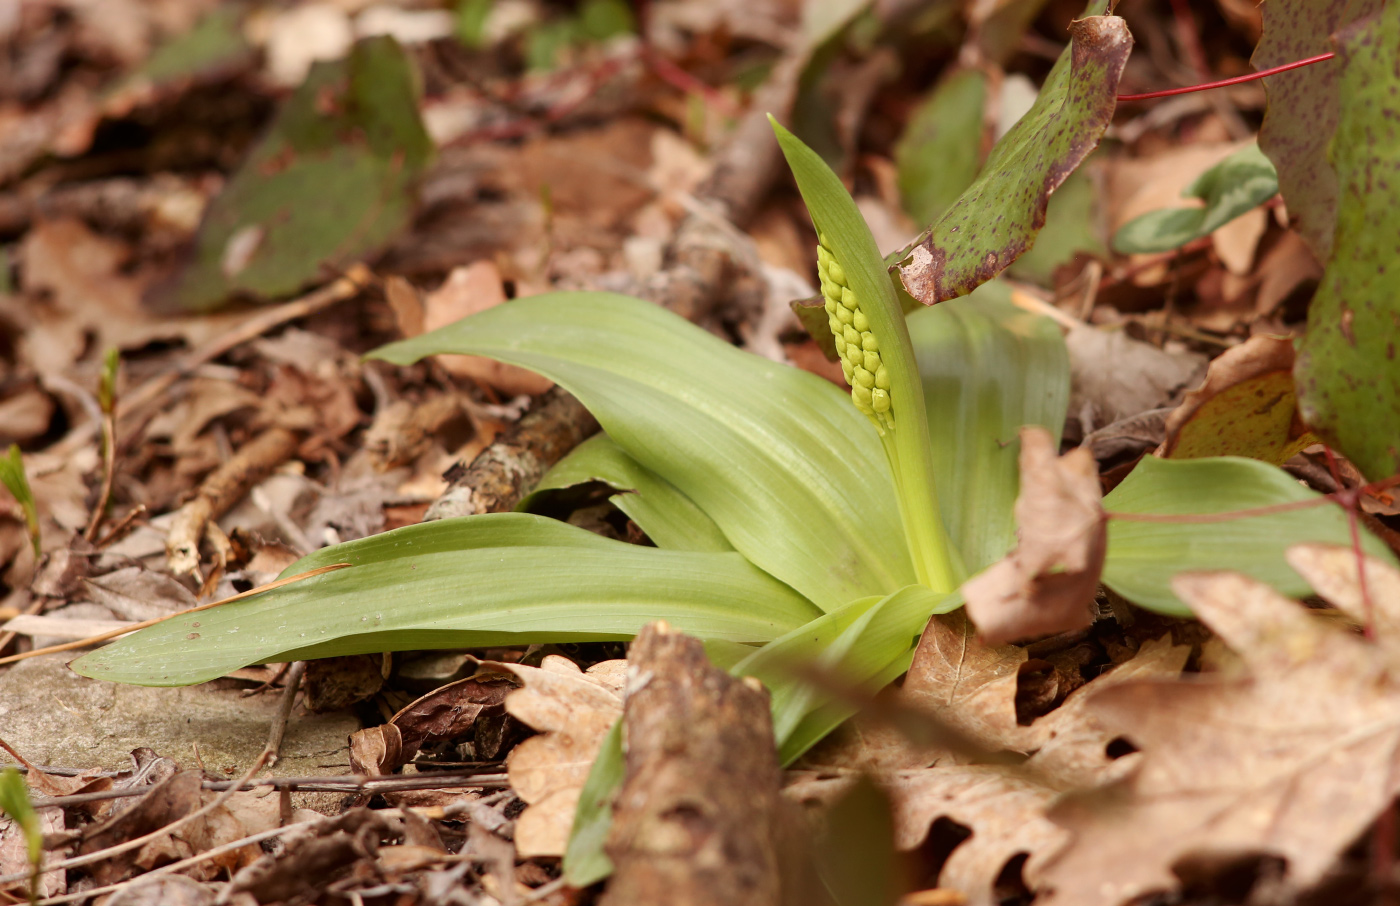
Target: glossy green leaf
{"type": "Point", "coordinates": [1144, 556]}
{"type": "Point", "coordinates": [1303, 107]}
{"type": "Point", "coordinates": [332, 181]}
{"type": "Point", "coordinates": [1348, 368]}
{"type": "Point", "coordinates": [999, 215]}
{"type": "Point", "coordinates": [585, 861]}
{"type": "Point", "coordinates": [669, 518]}
{"type": "Point", "coordinates": [989, 367]}
{"type": "Point", "coordinates": [497, 579]}
{"type": "Point", "coordinates": [1235, 186]}
{"type": "Point", "coordinates": [778, 458]}
{"type": "Point", "coordinates": [940, 152]}
{"type": "Point", "coordinates": [906, 444]}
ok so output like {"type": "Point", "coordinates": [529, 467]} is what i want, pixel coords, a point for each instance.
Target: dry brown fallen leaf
{"type": "Point", "coordinates": [467, 291]}
{"type": "Point", "coordinates": [1295, 759]}
{"type": "Point", "coordinates": [1071, 744]}
{"type": "Point", "coordinates": [1331, 570]}
{"type": "Point", "coordinates": [1046, 585]}
{"type": "Point", "coordinates": [1246, 407]}
{"type": "Point", "coordinates": [573, 711]}
{"type": "Point", "coordinates": [1113, 376]}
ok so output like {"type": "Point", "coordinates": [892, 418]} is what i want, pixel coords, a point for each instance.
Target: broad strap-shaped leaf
{"type": "Point", "coordinates": [1144, 556]}
{"type": "Point", "coordinates": [505, 578]}
{"type": "Point", "coordinates": [989, 367]}
{"type": "Point", "coordinates": [778, 458]}
{"type": "Point", "coordinates": [997, 218]}
{"type": "Point", "coordinates": [1348, 368]}
{"type": "Point", "coordinates": [867, 643]}
{"type": "Point", "coordinates": [1235, 186]}
{"type": "Point", "coordinates": [1303, 107]}
{"type": "Point", "coordinates": [670, 519]}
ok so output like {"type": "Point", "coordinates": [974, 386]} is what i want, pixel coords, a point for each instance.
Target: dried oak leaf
{"type": "Point", "coordinates": [1045, 585]}
{"type": "Point", "coordinates": [1295, 758]}
{"type": "Point", "coordinates": [1003, 806]}
{"type": "Point", "coordinates": [1246, 407]}
{"type": "Point", "coordinates": [1331, 570]}
{"type": "Point", "coordinates": [573, 711]}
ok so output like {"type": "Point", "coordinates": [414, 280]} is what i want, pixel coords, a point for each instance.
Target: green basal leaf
{"type": "Point", "coordinates": [781, 462]}
{"type": "Point", "coordinates": [988, 367]}
{"type": "Point", "coordinates": [502, 579]}
{"type": "Point", "coordinates": [1235, 186]}
{"type": "Point", "coordinates": [906, 444]}
{"type": "Point", "coordinates": [865, 644]}
{"type": "Point", "coordinates": [669, 518]}
{"type": "Point", "coordinates": [585, 861]}
{"type": "Point", "coordinates": [1144, 556]}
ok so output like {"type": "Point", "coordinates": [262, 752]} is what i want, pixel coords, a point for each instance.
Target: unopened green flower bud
{"type": "Point", "coordinates": [855, 344]}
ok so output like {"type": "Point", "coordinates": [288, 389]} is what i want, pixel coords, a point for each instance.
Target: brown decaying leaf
{"type": "Point", "coordinates": [467, 291]}
{"type": "Point", "coordinates": [573, 711]}
{"type": "Point", "coordinates": [1113, 376]}
{"type": "Point", "coordinates": [1332, 572]}
{"type": "Point", "coordinates": [1046, 585]}
{"type": "Point", "coordinates": [1246, 407]}
{"type": "Point", "coordinates": [1294, 760]}
{"type": "Point", "coordinates": [1004, 808]}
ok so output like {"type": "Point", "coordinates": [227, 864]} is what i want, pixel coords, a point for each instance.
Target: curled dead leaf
{"type": "Point", "coordinates": [1047, 583]}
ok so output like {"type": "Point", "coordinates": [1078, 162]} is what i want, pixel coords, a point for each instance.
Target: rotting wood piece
{"type": "Point", "coordinates": [697, 819]}
{"type": "Point", "coordinates": [506, 470]}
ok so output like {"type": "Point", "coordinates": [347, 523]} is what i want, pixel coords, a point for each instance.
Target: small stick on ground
{"type": "Point", "coordinates": [221, 490]}
{"type": "Point", "coordinates": [697, 819]}
{"type": "Point", "coordinates": [284, 711]}
{"type": "Point", "coordinates": [502, 473]}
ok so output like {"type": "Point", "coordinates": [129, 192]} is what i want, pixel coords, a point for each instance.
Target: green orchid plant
{"type": "Point", "coordinates": [792, 522]}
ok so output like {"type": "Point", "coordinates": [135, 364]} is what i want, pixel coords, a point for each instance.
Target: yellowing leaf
{"type": "Point", "coordinates": [1246, 407]}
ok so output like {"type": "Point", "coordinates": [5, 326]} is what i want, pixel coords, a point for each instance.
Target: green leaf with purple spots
{"type": "Point", "coordinates": [1302, 112]}
{"type": "Point", "coordinates": [1348, 368]}
{"type": "Point", "coordinates": [331, 183]}
{"type": "Point", "coordinates": [999, 215]}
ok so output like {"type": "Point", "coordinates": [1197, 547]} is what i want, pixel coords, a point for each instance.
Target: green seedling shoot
{"type": "Point", "coordinates": [14, 802]}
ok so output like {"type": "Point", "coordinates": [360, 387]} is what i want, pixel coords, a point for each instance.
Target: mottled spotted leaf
{"type": "Point", "coordinates": [1348, 369]}
{"type": "Point", "coordinates": [1302, 113]}
{"type": "Point", "coordinates": [332, 182]}
{"type": "Point", "coordinates": [997, 218]}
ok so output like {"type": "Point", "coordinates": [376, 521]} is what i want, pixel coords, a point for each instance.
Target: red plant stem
{"type": "Point", "coordinates": [1237, 80]}
{"type": "Point", "coordinates": [1350, 507]}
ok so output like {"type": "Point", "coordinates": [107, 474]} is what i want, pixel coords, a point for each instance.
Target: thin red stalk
{"type": "Point", "coordinates": [1237, 80]}
{"type": "Point", "coordinates": [1350, 507]}
{"type": "Point", "coordinates": [1345, 498]}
